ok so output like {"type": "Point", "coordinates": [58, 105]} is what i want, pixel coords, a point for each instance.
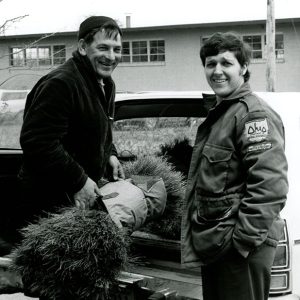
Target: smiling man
{"type": "Point", "coordinates": [224, 74]}
{"type": "Point", "coordinates": [66, 135]}
{"type": "Point", "coordinates": [237, 182]}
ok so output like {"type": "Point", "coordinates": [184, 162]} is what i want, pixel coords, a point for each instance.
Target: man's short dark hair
{"type": "Point", "coordinates": [229, 41]}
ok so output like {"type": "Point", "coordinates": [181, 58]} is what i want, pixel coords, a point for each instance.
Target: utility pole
{"type": "Point", "coordinates": [270, 39]}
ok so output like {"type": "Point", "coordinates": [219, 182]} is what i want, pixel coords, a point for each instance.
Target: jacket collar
{"type": "Point", "coordinates": [87, 67]}
{"type": "Point", "coordinates": [239, 93]}
{"type": "Point", "coordinates": [215, 105]}
{"type": "Point", "coordinates": [89, 75]}
{"type": "Point", "coordinates": [211, 101]}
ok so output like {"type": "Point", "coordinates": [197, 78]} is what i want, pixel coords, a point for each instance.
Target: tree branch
{"type": "Point", "coordinates": [24, 67]}
{"type": "Point", "coordinates": [30, 45]}
{"type": "Point", "coordinates": [8, 22]}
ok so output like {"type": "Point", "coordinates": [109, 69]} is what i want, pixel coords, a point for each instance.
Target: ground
{"type": "Point", "coordinates": [17, 296]}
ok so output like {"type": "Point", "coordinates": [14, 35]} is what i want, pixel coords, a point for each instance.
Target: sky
{"type": "Point", "coordinates": [66, 15]}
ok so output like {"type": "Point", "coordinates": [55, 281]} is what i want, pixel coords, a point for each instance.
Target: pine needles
{"type": "Point", "coordinates": [76, 254]}
{"type": "Point", "coordinates": [168, 225]}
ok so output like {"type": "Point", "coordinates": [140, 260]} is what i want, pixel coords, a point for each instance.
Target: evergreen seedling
{"type": "Point", "coordinates": [76, 254]}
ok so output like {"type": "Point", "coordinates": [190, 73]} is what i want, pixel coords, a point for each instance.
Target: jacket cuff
{"type": "Point", "coordinates": [244, 253]}
{"type": "Point", "coordinates": [79, 184]}
{"type": "Point", "coordinates": [243, 249]}
{"type": "Point", "coordinates": [114, 151]}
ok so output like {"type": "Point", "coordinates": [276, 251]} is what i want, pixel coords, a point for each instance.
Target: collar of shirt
{"type": "Point", "coordinates": [101, 84]}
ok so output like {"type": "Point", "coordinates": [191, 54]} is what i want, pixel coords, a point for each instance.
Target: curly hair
{"type": "Point", "coordinates": [228, 41]}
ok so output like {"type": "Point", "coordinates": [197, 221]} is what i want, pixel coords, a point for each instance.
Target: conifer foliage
{"type": "Point", "coordinates": [168, 225]}
{"type": "Point", "coordinates": [76, 254]}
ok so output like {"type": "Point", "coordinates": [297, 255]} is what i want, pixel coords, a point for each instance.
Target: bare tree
{"type": "Point", "coordinates": [9, 22]}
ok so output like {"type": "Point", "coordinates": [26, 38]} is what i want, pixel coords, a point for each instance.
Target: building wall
{"type": "Point", "coordinates": [10, 72]}
{"type": "Point", "coordinates": [288, 73]}
{"type": "Point", "coordinates": [182, 63]}
{"type": "Point", "coordinates": [182, 69]}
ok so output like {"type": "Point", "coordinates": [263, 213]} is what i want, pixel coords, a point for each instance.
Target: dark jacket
{"type": "Point", "coordinates": [237, 182]}
{"type": "Point", "coordinates": [67, 134]}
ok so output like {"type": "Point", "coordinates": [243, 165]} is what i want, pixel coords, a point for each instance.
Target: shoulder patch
{"type": "Point", "coordinates": [256, 130]}
{"type": "Point", "coordinates": [259, 147]}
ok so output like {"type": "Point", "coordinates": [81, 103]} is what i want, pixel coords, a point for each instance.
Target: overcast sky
{"type": "Point", "coordinates": [66, 15]}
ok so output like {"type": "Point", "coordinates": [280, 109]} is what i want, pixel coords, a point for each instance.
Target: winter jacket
{"type": "Point", "coordinates": [237, 183]}
{"type": "Point", "coordinates": [67, 135]}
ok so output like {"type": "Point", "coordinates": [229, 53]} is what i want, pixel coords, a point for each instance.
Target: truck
{"type": "Point", "coordinates": [160, 275]}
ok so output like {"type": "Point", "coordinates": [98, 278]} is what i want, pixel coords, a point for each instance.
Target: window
{"type": "Point", "coordinates": [157, 50]}
{"type": "Point", "coordinates": [17, 56]}
{"type": "Point", "coordinates": [144, 136]}
{"type": "Point", "coordinates": [143, 51]}
{"type": "Point", "coordinates": [59, 54]}
{"type": "Point", "coordinates": [125, 52]}
{"type": "Point", "coordinates": [279, 46]}
{"type": "Point", "coordinates": [37, 56]}
{"type": "Point", "coordinates": [258, 45]}
{"type": "Point", "coordinates": [31, 57]}
{"type": "Point", "coordinates": [255, 42]}
{"type": "Point", "coordinates": [139, 51]}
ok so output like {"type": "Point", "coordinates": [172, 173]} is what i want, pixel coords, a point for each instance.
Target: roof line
{"type": "Point", "coordinates": [166, 27]}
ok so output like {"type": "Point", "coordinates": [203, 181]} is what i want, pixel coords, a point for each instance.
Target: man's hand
{"type": "Point", "coordinates": [116, 168]}
{"type": "Point", "coordinates": [86, 197]}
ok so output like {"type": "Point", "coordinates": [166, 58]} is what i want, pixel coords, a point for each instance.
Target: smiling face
{"type": "Point", "coordinates": [223, 73]}
{"type": "Point", "coordinates": [104, 53]}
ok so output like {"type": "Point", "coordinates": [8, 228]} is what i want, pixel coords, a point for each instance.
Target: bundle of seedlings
{"type": "Point", "coordinates": [168, 225]}
{"type": "Point", "coordinates": [74, 254]}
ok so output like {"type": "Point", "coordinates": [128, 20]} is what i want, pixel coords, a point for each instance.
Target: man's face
{"type": "Point", "coordinates": [223, 73]}
{"type": "Point", "coordinates": [104, 54]}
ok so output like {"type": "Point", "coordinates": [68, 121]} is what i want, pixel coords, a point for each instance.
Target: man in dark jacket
{"type": "Point", "coordinates": [67, 132]}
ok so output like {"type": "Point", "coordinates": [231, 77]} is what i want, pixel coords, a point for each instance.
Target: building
{"type": "Point", "coordinates": [162, 57]}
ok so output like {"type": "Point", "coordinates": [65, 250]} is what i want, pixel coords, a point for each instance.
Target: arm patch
{"type": "Point", "coordinates": [259, 147]}
{"type": "Point", "coordinates": [256, 130]}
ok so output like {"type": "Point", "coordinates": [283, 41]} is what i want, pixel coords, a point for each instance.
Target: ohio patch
{"type": "Point", "coordinates": [259, 147]}
{"type": "Point", "coordinates": [257, 130]}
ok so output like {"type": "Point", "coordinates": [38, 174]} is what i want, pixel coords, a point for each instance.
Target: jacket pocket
{"type": "Point", "coordinates": [276, 232]}
{"type": "Point", "coordinates": [212, 233]}
{"type": "Point", "coordinates": [213, 171]}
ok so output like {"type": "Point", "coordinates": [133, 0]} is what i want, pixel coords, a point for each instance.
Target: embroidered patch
{"type": "Point", "coordinates": [257, 130]}
{"type": "Point", "coordinates": [259, 147]}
